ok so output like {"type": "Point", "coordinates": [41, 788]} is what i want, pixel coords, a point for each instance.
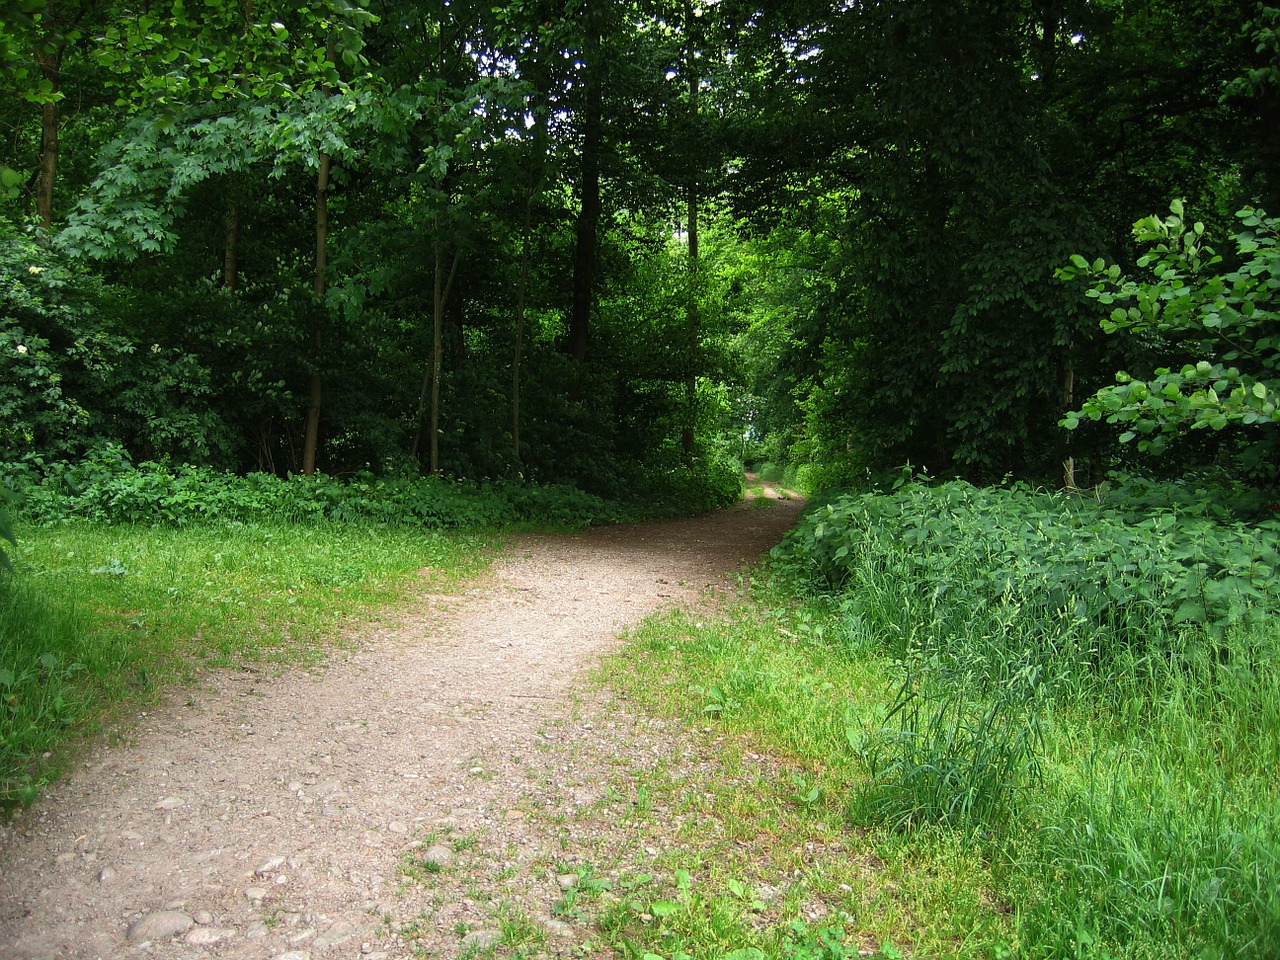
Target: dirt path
{"type": "Point", "coordinates": [269, 817]}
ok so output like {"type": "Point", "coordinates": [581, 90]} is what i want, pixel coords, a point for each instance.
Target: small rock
{"type": "Point", "coordinates": [202, 917]}
{"type": "Point", "coordinates": [66, 857]}
{"type": "Point", "coordinates": [558, 929]}
{"type": "Point", "coordinates": [107, 874]}
{"type": "Point", "coordinates": [295, 955]}
{"type": "Point", "coordinates": [438, 854]}
{"type": "Point", "coordinates": [340, 932]}
{"type": "Point", "coordinates": [170, 803]}
{"type": "Point", "coordinates": [567, 881]}
{"type": "Point", "coordinates": [481, 940]}
{"type": "Point", "coordinates": [160, 925]}
{"type": "Point", "coordinates": [266, 866]}
{"type": "Point", "coordinates": [208, 936]}
{"type": "Point", "coordinates": [397, 827]}
{"type": "Point", "coordinates": [256, 930]}
{"type": "Point", "coordinates": [255, 893]}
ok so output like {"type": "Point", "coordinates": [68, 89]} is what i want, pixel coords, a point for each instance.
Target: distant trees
{"type": "Point", "coordinates": [562, 239]}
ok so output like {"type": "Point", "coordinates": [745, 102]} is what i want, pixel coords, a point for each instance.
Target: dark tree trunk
{"type": "Point", "coordinates": [317, 338]}
{"type": "Point", "coordinates": [588, 224]}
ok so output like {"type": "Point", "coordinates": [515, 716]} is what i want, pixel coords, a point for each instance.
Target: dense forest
{"type": "Point", "coordinates": [303, 306]}
{"type": "Point", "coordinates": [593, 243]}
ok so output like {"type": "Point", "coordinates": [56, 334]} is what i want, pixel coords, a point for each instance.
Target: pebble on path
{"type": "Point", "coordinates": [160, 925]}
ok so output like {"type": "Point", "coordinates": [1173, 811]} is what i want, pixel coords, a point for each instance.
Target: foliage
{"type": "Point", "coordinates": [1226, 321]}
{"type": "Point", "coordinates": [107, 487]}
{"type": "Point", "coordinates": [1121, 797]}
{"type": "Point", "coordinates": [73, 371]}
{"type": "Point", "coordinates": [1058, 562]}
{"type": "Point", "coordinates": [6, 526]}
{"type": "Point", "coordinates": [945, 755]}
{"type": "Point", "coordinates": [1086, 744]}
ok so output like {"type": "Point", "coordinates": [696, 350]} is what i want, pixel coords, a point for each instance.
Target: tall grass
{"type": "Point", "coordinates": [94, 616]}
{"type": "Point", "coordinates": [1086, 695]}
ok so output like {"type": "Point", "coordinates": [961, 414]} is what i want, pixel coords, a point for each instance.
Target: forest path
{"type": "Point", "coordinates": [257, 816]}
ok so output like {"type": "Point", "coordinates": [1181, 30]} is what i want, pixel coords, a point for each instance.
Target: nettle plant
{"type": "Point", "coordinates": [1227, 321]}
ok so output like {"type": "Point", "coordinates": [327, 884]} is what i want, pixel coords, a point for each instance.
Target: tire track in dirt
{"type": "Point", "coordinates": [268, 815]}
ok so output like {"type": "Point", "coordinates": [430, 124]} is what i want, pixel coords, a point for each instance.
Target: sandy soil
{"type": "Point", "coordinates": [276, 816]}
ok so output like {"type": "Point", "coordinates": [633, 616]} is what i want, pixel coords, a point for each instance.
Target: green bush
{"type": "Point", "coordinates": [1088, 687]}
{"type": "Point", "coordinates": [1056, 561]}
{"type": "Point", "coordinates": [107, 487]}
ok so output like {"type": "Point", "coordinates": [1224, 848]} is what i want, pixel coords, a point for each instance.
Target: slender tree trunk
{"type": "Point", "coordinates": [230, 262]}
{"type": "Point", "coordinates": [49, 55]}
{"type": "Point", "coordinates": [430, 392]}
{"type": "Point", "coordinates": [540, 108]}
{"type": "Point", "coordinates": [526, 233]}
{"type": "Point", "coordinates": [1067, 398]}
{"type": "Point", "coordinates": [441, 297]}
{"type": "Point", "coordinates": [588, 222]}
{"type": "Point", "coordinates": [688, 436]}
{"type": "Point", "coordinates": [317, 336]}
{"type": "Point", "coordinates": [457, 327]}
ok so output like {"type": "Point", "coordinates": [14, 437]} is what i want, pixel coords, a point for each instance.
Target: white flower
{"type": "Point", "coordinates": [36, 270]}
{"type": "Point", "coordinates": [22, 349]}
{"type": "Point", "coordinates": [155, 348]}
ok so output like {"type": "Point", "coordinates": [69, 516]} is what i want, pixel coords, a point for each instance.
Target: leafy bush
{"type": "Point", "coordinates": [1058, 562]}
{"type": "Point", "coordinates": [1222, 324]}
{"type": "Point", "coordinates": [108, 487]}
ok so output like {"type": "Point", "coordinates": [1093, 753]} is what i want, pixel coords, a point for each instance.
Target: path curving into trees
{"type": "Point", "coordinates": [255, 816]}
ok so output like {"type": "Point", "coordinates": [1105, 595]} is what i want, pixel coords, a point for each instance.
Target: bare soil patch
{"type": "Point", "coordinates": [275, 816]}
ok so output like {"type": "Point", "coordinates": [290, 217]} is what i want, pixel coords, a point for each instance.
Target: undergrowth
{"type": "Point", "coordinates": [1085, 694]}
{"type": "Point", "coordinates": [109, 488]}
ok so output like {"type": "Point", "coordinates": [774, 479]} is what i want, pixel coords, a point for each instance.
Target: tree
{"type": "Point", "coordinates": [1225, 322]}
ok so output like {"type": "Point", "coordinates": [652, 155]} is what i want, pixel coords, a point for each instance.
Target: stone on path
{"type": "Point", "coordinates": [340, 932]}
{"type": "Point", "coordinates": [481, 940]}
{"type": "Point", "coordinates": [208, 936]}
{"type": "Point", "coordinates": [160, 925]}
{"type": "Point", "coordinates": [438, 854]}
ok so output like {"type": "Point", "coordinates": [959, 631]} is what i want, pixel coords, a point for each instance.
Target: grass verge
{"type": "Point", "coordinates": [94, 616]}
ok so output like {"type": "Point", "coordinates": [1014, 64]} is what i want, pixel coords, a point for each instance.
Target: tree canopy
{"type": "Point", "coordinates": [607, 243]}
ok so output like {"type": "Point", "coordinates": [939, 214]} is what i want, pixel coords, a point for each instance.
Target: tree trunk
{"type": "Point", "coordinates": [431, 377]}
{"type": "Point", "coordinates": [317, 337]}
{"type": "Point", "coordinates": [588, 223]}
{"type": "Point", "coordinates": [1067, 398]}
{"type": "Point", "coordinates": [230, 262]}
{"type": "Point", "coordinates": [457, 332]}
{"type": "Point", "coordinates": [525, 238]}
{"type": "Point", "coordinates": [540, 108]}
{"type": "Point", "coordinates": [49, 55]}
{"type": "Point", "coordinates": [688, 436]}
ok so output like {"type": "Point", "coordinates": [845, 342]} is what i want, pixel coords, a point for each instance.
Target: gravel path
{"type": "Point", "coordinates": [260, 816]}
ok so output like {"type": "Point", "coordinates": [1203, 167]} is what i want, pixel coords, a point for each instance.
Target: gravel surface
{"type": "Point", "coordinates": [378, 807]}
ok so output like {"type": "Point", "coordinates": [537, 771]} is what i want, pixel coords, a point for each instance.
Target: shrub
{"type": "Point", "coordinates": [1056, 561]}
{"type": "Point", "coordinates": [107, 487]}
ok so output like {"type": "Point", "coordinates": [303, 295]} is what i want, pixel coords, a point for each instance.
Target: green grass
{"type": "Point", "coordinates": [95, 616]}
{"type": "Point", "coordinates": [984, 759]}
{"type": "Point", "coordinates": [775, 864]}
